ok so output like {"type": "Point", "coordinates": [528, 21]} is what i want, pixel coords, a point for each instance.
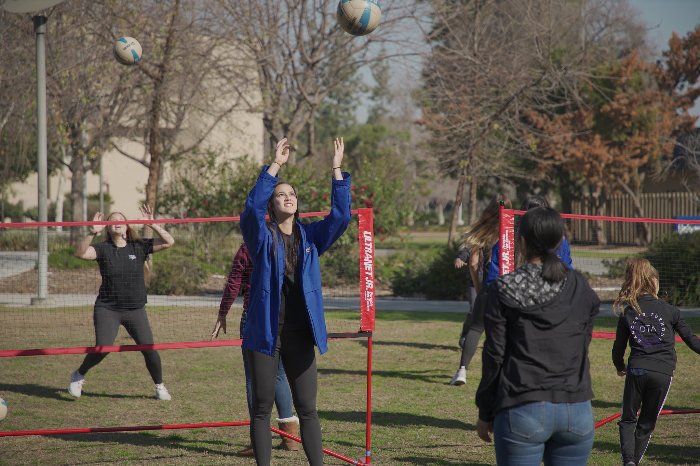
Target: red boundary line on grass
{"type": "Point", "coordinates": [187, 345]}
{"type": "Point", "coordinates": [181, 345]}
{"type": "Point", "coordinates": [202, 425]}
{"type": "Point", "coordinates": [154, 346]}
{"type": "Point", "coordinates": [611, 418]}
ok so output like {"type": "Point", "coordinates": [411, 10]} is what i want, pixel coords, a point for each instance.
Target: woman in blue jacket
{"type": "Point", "coordinates": [285, 318]}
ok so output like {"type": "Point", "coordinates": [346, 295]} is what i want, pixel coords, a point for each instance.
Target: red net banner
{"type": "Point", "coordinates": [367, 293]}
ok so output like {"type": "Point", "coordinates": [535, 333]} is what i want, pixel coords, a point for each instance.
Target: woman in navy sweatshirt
{"type": "Point", "coordinates": [649, 325]}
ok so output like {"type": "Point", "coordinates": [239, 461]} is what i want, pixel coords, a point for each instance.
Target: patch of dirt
{"type": "Point", "coordinates": [79, 281]}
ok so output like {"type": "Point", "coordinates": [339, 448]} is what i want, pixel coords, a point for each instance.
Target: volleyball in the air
{"type": "Point", "coordinates": [359, 17]}
{"type": "Point", "coordinates": [3, 409]}
{"type": "Point", "coordinates": [127, 50]}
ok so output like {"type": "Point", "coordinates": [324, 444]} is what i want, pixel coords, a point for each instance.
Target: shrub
{"type": "Point", "coordinates": [63, 258]}
{"type": "Point", "coordinates": [176, 275]}
{"type": "Point", "coordinates": [676, 258]}
{"type": "Point", "coordinates": [339, 265]}
{"type": "Point", "coordinates": [429, 272]}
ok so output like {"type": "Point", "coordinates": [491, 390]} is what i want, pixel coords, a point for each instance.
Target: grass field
{"type": "Point", "coordinates": [418, 419]}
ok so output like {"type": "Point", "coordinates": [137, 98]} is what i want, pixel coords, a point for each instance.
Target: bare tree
{"type": "Point", "coordinates": [17, 128]}
{"type": "Point", "coordinates": [190, 80]}
{"type": "Point", "coordinates": [302, 55]}
{"type": "Point", "coordinates": [513, 55]}
{"type": "Point", "coordinates": [85, 91]}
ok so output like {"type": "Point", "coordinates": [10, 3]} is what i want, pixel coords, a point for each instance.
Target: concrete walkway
{"type": "Point", "coordinates": [16, 262]}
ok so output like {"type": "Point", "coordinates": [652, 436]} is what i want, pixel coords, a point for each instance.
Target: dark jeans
{"type": "Point", "coordinates": [645, 392]}
{"type": "Point", "coordinates": [298, 354]}
{"type": "Point", "coordinates": [107, 322]}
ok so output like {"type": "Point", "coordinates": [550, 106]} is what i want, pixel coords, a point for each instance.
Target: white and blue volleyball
{"type": "Point", "coordinates": [359, 17]}
{"type": "Point", "coordinates": [3, 409]}
{"type": "Point", "coordinates": [127, 50]}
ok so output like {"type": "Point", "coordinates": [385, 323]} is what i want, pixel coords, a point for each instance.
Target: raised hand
{"type": "Point", "coordinates": [282, 152]}
{"type": "Point", "coordinates": [97, 228]}
{"type": "Point", "coordinates": [146, 212]}
{"type": "Point", "coordinates": [339, 146]}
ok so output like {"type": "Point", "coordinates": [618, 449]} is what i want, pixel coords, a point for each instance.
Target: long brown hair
{"type": "Point", "coordinates": [131, 233]}
{"type": "Point", "coordinates": [291, 256]}
{"type": "Point", "coordinates": [640, 278]}
{"type": "Point", "coordinates": [483, 233]}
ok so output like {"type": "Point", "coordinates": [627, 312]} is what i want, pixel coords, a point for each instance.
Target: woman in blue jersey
{"type": "Point", "coordinates": [286, 319]}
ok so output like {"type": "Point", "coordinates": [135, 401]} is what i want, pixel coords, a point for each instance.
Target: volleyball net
{"type": "Point", "coordinates": [601, 245]}
{"type": "Point", "coordinates": [184, 291]}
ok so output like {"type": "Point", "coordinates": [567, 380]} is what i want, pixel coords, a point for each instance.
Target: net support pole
{"type": "Point", "coordinates": [506, 258]}
{"type": "Point", "coordinates": [365, 237]}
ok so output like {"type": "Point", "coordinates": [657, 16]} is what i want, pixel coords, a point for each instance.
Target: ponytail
{"type": "Point", "coordinates": [553, 269]}
{"type": "Point", "coordinates": [542, 229]}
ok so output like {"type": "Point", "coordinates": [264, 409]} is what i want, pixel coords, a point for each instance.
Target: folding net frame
{"type": "Point", "coordinates": [178, 320]}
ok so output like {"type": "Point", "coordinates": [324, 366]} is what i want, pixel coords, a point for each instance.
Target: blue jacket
{"type": "Point", "coordinates": [493, 268]}
{"type": "Point", "coordinates": [260, 333]}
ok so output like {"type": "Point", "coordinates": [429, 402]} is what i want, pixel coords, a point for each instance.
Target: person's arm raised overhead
{"type": "Point", "coordinates": [324, 233]}
{"type": "Point", "coordinates": [84, 250]}
{"type": "Point", "coordinates": [165, 239]}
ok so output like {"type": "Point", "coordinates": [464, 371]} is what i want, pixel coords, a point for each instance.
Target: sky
{"type": "Point", "coordinates": [666, 16]}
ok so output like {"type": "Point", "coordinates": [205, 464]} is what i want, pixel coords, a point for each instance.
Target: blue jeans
{"type": "Point", "coordinates": [560, 434]}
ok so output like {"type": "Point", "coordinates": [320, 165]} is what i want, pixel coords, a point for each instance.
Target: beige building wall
{"type": "Point", "coordinates": [237, 135]}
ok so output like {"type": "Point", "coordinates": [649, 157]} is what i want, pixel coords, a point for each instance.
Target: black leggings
{"type": "Point", "coordinates": [299, 359]}
{"type": "Point", "coordinates": [472, 329]}
{"type": "Point", "coordinates": [643, 398]}
{"type": "Point", "coordinates": [107, 322]}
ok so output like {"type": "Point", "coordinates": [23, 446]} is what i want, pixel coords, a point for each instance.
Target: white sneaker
{"type": "Point", "coordinates": [162, 393]}
{"type": "Point", "coordinates": [460, 377]}
{"type": "Point", "coordinates": [76, 384]}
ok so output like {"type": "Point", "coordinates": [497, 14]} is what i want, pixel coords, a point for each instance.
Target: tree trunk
{"type": "Point", "coordinates": [77, 168]}
{"type": "Point", "coordinates": [599, 228]}
{"type": "Point", "coordinates": [60, 192]}
{"type": "Point", "coordinates": [459, 195]}
{"type": "Point", "coordinates": [155, 138]}
{"type": "Point", "coordinates": [473, 188]}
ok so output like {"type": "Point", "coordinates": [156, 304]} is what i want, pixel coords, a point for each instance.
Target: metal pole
{"type": "Point", "coordinates": [42, 260]}
{"type": "Point", "coordinates": [102, 191]}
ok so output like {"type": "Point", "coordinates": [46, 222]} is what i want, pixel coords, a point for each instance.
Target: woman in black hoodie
{"type": "Point", "coordinates": [535, 388]}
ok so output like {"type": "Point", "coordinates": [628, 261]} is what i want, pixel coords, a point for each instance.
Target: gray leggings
{"type": "Point", "coordinates": [472, 328]}
{"type": "Point", "coordinates": [299, 359]}
{"type": "Point", "coordinates": [135, 321]}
